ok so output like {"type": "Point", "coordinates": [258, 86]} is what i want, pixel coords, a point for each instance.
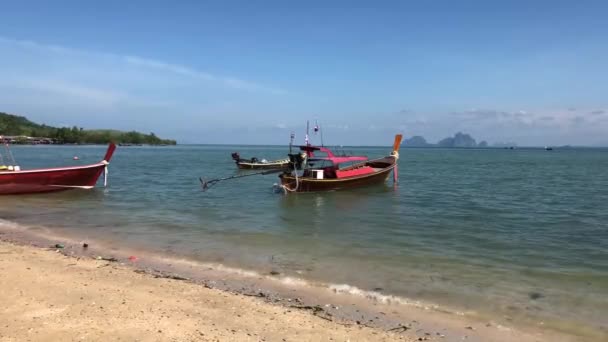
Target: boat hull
{"type": "Point", "coordinates": [48, 180]}
{"type": "Point", "coordinates": [307, 184]}
{"type": "Point", "coordinates": [54, 179]}
{"type": "Point", "coordinates": [262, 166]}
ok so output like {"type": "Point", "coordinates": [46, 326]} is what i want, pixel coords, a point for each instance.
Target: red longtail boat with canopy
{"type": "Point", "coordinates": [331, 172]}
{"type": "Point", "coordinates": [13, 180]}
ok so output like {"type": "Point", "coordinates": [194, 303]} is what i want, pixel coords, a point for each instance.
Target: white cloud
{"type": "Point", "coordinates": [140, 62]}
{"type": "Point", "coordinates": [177, 69]}
{"type": "Point", "coordinates": [99, 96]}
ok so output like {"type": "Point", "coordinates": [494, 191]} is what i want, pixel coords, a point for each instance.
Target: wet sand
{"type": "Point", "coordinates": [69, 294]}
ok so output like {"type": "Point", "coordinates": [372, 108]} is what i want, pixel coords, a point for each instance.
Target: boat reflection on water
{"type": "Point", "coordinates": [322, 210]}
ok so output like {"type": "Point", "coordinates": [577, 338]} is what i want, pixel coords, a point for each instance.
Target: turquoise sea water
{"type": "Point", "coordinates": [518, 234]}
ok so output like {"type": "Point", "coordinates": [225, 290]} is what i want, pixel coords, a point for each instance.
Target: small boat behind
{"type": "Point", "coordinates": [14, 180]}
{"type": "Point", "coordinates": [255, 164]}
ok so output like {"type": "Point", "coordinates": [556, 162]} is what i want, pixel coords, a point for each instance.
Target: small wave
{"type": "Point", "coordinates": [36, 232]}
{"type": "Point", "coordinates": [379, 297]}
{"type": "Point", "coordinates": [5, 224]}
{"type": "Point", "coordinates": [293, 281]}
{"type": "Point", "coordinates": [344, 289]}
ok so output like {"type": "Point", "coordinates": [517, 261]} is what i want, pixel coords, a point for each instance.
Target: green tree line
{"type": "Point", "coordinates": [14, 125]}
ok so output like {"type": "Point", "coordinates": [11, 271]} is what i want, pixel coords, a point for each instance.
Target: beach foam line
{"type": "Point", "coordinates": [10, 225]}
{"type": "Point", "coordinates": [290, 281]}
{"type": "Point", "coordinates": [201, 265]}
{"type": "Point", "coordinates": [379, 297]}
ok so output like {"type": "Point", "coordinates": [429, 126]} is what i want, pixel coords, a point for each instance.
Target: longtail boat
{"type": "Point", "coordinates": [331, 172]}
{"type": "Point", "coordinates": [255, 164]}
{"type": "Point", "coordinates": [13, 180]}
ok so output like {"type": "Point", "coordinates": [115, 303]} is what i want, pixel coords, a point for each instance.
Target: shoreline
{"type": "Point", "coordinates": [412, 321]}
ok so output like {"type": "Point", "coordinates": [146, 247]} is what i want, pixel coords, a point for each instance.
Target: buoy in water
{"type": "Point", "coordinates": [76, 158]}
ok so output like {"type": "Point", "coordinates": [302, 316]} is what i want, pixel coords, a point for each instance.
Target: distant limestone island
{"type": "Point", "coordinates": [16, 129]}
{"type": "Point", "coordinates": [459, 140]}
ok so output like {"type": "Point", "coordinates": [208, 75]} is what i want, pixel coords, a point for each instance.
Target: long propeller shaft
{"type": "Point", "coordinates": [206, 184]}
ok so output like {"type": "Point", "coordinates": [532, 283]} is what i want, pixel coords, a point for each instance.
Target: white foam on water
{"type": "Point", "coordinates": [290, 281]}
{"type": "Point", "coordinates": [5, 224]}
{"type": "Point", "coordinates": [376, 296]}
{"type": "Point", "coordinates": [234, 270]}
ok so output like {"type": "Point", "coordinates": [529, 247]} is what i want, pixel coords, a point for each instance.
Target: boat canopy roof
{"type": "Point", "coordinates": [330, 155]}
{"type": "Point", "coordinates": [340, 160]}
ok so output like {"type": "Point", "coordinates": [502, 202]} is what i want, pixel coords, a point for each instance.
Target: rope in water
{"type": "Point", "coordinates": [295, 172]}
{"type": "Point", "coordinates": [10, 154]}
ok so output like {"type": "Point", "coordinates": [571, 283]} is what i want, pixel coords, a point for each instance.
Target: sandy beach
{"type": "Point", "coordinates": [47, 296]}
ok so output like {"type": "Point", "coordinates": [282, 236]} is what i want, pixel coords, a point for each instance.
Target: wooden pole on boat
{"type": "Point", "coordinates": [321, 133]}
{"type": "Point", "coordinates": [109, 152]}
{"type": "Point", "coordinates": [395, 154]}
{"type": "Point", "coordinates": [397, 142]}
{"type": "Point", "coordinates": [106, 161]}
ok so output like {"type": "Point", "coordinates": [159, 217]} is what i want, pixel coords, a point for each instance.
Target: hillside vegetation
{"type": "Point", "coordinates": [14, 125]}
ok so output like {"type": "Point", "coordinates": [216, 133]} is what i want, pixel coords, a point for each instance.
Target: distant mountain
{"type": "Point", "coordinates": [21, 130]}
{"type": "Point", "coordinates": [417, 141]}
{"type": "Point", "coordinates": [458, 140]}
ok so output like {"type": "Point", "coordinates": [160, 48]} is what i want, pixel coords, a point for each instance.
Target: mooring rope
{"type": "Point", "coordinates": [295, 172]}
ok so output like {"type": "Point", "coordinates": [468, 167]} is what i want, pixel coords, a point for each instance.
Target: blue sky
{"type": "Point", "coordinates": [532, 72]}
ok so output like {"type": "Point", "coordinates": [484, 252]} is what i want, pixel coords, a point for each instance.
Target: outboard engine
{"type": "Point", "coordinates": [297, 160]}
{"type": "Point", "coordinates": [236, 156]}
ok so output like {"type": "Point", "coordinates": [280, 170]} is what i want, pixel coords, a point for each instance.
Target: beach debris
{"type": "Point", "coordinates": [470, 328]}
{"type": "Point", "coordinates": [317, 310]}
{"type": "Point", "coordinates": [273, 272]}
{"type": "Point", "coordinates": [85, 245]}
{"type": "Point", "coordinates": [535, 295]}
{"type": "Point", "coordinates": [111, 259]}
{"type": "Point", "coordinates": [398, 328]}
{"type": "Point", "coordinates": [58, 245]}
{"type": "Point", "coordinates": [258, 294]}
{"type": "Point", "coordinates": [133, 258]}
{"type": "Point", "coordinates": [170, 276]}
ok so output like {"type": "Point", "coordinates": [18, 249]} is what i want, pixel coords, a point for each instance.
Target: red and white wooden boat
{"type": "Point", "coordinates": [55, 179]}
{"type": "Point", "coordinates": [332, 172]}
